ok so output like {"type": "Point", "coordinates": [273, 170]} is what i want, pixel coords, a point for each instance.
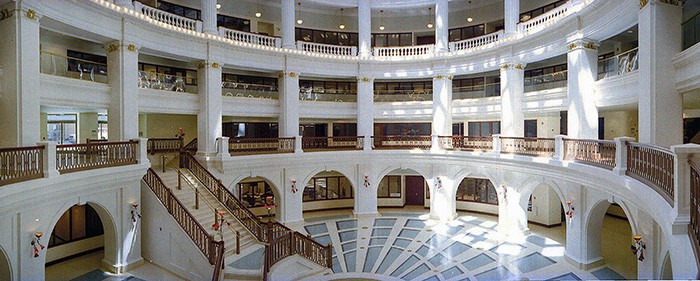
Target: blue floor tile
{"type": "Point", "coordinates": [336, 265]}
{"type": "Point", "coordinates": [408, 263]}
{"type": "Point", "coordinates": [606, 273]}
{"type": "Point", "coordinates": [251, 261]}
{"type": "Point", "coordinates": [323, 239]}
{"type": "Point", "coordinates": [478, 261]}
{"type": "Point", "coordinates": [377, 241]}
{"type": "Point", "coordinates": [452, 230]}
{"type": "Point", "coordinates": [316, 229]}
{"type": "Point", "coordinates": [432, 278]}
{"type": "Point", "coordinates": [537, 240]}
{"type": "Point", "coordinates": [402, 243]}
{"type": "Point", "coordinates": [456, 249]}
{"type": "Point", "coordinates": [349, 246]}
{"type": "Point", "coordinates": [498, 273]}
{"type": "Point", "coordinates": [532, 262]}
{"type": "Point", "coordinates": [348, 235]}
{"type": "Point", "coordinates": [423, 250]}
{"type": "Point", "coordinates": [389, 259]}
{"type": "Point", "coordinates": [348, 224]}
{"type": "Point", "coordinates": [568, 276]}
{"type": "Point", "coordinates": [508, 249]}
{"type": "Point", "coordinates": [408, 233]}
{"type": "Point", "coordinates": [416, 272]}
{"type": "Point", "coordinates": [350, 260]}
{"type": "Point", "coordinates": [381, 232]}
{"type": "Point", "coordinates": [438, 259]}
{"type": "Point", "coordinates": [437, 240]}
{"type": "Point", "coordinates": [94, 275]}
{"type": "Point", "coordinates": [415, 223]}
{"type": "Point", "coordinates": [384, 222]}
{"type": "Point", "coordinates": [452, 272]}
{"type": "Point", "coordinates": [371, 258]}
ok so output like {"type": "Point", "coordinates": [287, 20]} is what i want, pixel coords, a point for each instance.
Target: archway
{"type": "Point", "coordinates": [82, 237]}
{"type": "Point", "coordinates": [327, 190]}
{"type": "Point", "coordinates": [546, 207]}
{"type": "Point", "coordinates": [5, 268]}
{"type": "Point", "coordinates": [609, 235]}
{"type": "Point", "coordinates": [403, 187]}
{"type": "Point", "coordinates": [259, 195]}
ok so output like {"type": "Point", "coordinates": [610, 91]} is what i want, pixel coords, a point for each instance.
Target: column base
{"type": "Point", "coordinates": [119, 269]}
{"type": "Point", "coordinates": [597, 262]}
{"type": "Point", "coordinates": [369, 215]}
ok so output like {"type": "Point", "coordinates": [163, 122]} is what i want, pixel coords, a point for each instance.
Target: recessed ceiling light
{"type": "Point", "coordinates": [381, 27]}
{"type": "Point", "coordinates": [341, 26]}
{"type": "Point", "coordinates": [218, 6]}
{"type": "Point", "coordinates": [630, 31]}
{"type": "Point", "coordinates": [430, 25]}
{"type": "Point", "coordinates": [300, 21]}
{"type": "Point", "coordinates": [258, 14]}
{"type": "Point", "coordinates": [470, 19]}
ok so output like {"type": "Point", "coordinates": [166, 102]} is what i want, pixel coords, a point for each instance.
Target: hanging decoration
{"type": "Point", "coordinates": [367, 184]}
{"type": "Point", "coordinates": [269, 204]}
{"type": "Point", "coordinates": [180, 133]}
{"type": "Point", "coordinates": [438, 183]}
{"type": "Point", "coordinates": [135, 215]}
{"type": "Point", "coordinates": [294, 186]}
{"type": "Point", "coordinates": [638, 247]}
{"type": "Point", "coordinates": [569, 210]}
{"type": "Point", "coordinates": [37, 242]}
{"type": "Point", "coordinates": [503, 191]}
{"type": "Point", "coordinates": [219, 222]}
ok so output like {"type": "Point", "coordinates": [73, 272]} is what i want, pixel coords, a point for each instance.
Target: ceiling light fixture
{"type": "Point", "coordinates": [258, 14]}
{"type": "Point", "coordinates": [342, 18]}
{"type": "Point", "coordinates": [469, 4]}
{"type": "Point", "coordinates": [381, 20]}
{"type": "Point", "coordinates": [430, 24]}
{"type": "Point", "coordinates": [218, 6]}
{"type": "Point", "coordinates": [299, 21]}
{"type": "Point", "coordinates": [296, 14]}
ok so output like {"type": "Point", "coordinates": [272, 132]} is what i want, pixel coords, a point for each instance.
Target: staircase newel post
{"type": "Point", "coordinates": [329, 255]}
{"type": "Point", "coordinates": [238, 242]}
{"type": "Point", "coordinates": [212, 250]}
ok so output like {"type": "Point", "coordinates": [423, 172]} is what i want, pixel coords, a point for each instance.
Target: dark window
{"type": "Point", "coordinates": [250, 130]}
{"type": "Point", "coordinates": [530, 129]}
{"type": "Point", "coordinates": [249, 82]}
{"type": "Point", "coordinates": [601, 128]}
{"type": "Point", "coordinates": [180, 10]}
{"type": "Point", "coordinates": [403, 88]}
{"type": "Point", "coordinates": [477, 190]}
{"type": "Point", "coordinates": [389, 187]}
{"type": "Point", "coordinates": [457, 129]}
{"type": "Point", "coordinates": [78, 222]}
{"type": "Point", "coordinates": [392, 39]}
{"type": "Point", "coordinates": [328, 87]}
{"type": "Point", "coordinates": [326, 37]}
{"type": "Point", "coordinates": [563, 117]}
{"type": "Point", "coordinates": [484, 129]}
{"type": "Point", "coordinates": [189, 75]}
{"type": "Point", "coordinates": [87, 62]}
{"type": "Point", "coordinates": [462, 33]}
{"type": "Point", "coordinates": [254, 194]}
{"type": "Point", "coordinates": [526, 16]}
{"type": "Point", "coordinates": [691, 30]}
{"type": "Point", "coordinates": [233, 23]}
{"type": "Point", "coordinates": [402, 129]}
{"type": "Point", "coordinates": [327, 188]}
{"type": "Point", "coordinates": [477, 87]}
{"type": "Point", "coordinates": [313, 130]}
{"type": "Point", "coordinates": [345, 129]}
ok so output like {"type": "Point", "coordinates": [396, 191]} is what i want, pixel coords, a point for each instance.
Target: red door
{"type": "Point", "coordinates": [415, 190]}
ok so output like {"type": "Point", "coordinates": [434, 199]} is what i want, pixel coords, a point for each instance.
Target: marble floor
{"type": "Point", "coordinates": [87, 268]}
{"type": "Point", "coordinates": [403, 244]}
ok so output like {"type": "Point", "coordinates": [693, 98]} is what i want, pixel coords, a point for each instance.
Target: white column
{"type": "Point", "coordinates": [19, 77]}
{"type": "Point", "coordinates": [288, 23]}
{"type": "Point", "coordinates": [443, 201]}
{"type": "Point", "coordinates": [365, 110]}
{"type": "Point", "coordinates": [366, 196]}
{"type": "Point", "coordinates": [441, 26]}
{"type": "Point", "coordinates": [122, 74]}
{"type": "Point", "coordinates": [582, 65]}
{"type": "Point", "coordinates": [442, 107]}
{"type": "Point", "coordinates": [364, 26]}
{"type": "Point", "coordinates": [289, 104]}
{"type": "Point", "coordinates": [209, 17]}
{"type": "Point", "coordinates": [209, 116]}
{"type": "Point", "coordinates": [512, 16]}
{"type": "Point", "coordinates": [512, 91]}
{"type": "Point", "coordinates": [660, 105]}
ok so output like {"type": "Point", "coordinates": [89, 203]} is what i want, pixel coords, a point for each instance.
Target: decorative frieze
{"type": "Point", "coordinates": [583, 44]}
{"type": "Point", "coordinates": [643, 3]}
{"type": "Point", "coordinates": [365, 79]}
{"type": "Point", "coordinates": [285, 74]}
{"type": "Point", "coordinates": [31, 14]}
{"type": "Point", "coordinates": [440, 77]}
{"type": "Point", "coordinates": [518, 66]}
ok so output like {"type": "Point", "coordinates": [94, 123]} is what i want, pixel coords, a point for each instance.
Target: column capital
{"type": "Point", "coordinates": [365, 79]}
{"type": "Point", "coordinates": [207, 64]}
{"type": "Point", "coordinates": [21, 9]}
{"type": "Point", "coordinates": [582, 43]}
{"type": "Point", "coordinates": [285, 74]}
{"type": "Point", "coordinates": [643, 3]}
{"type": "Point", "coordinates": [513, 65]}
{"type": "Point", "coordinates": [117, 45]}
{"type": "Point", "coordinates": [443, 77]}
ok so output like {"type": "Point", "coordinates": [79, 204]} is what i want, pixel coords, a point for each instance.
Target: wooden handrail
{"type": "Point", "coordinates": [19, 164]}
{"type": "Point", "coordinates": [219, 263]}
{"type": "Point", "coordinates": [164, 145]}
{"type": "Point", "coordinates": [467, 143]}
{"type": "Point", "coordinates": [333, 143]}
{"type": "Point", "coordinates": [595, 152]}
{"type": "Point", "coordinates": [694, 226]}
{"type": "Point", "coordinates": [653, 165]}
{"type": "Point", "coordinates": [86, 156]}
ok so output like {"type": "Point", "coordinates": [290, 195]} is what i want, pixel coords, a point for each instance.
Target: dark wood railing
{"type": "Point", "coordinates": [528, 146]}
{"type": "Point", "coordinates": [220, 250]}
{"type": "Point", "coordinates": [80, 157]}
{"type": "Point", "coordinates": [694, 226]}
{"type": "Point", "coordinates": [402, 142]}
{"type": "Point", "coordinates": [466, 143]}
{"type": "Point", "coordinates": [191, 146]}
{"type": "Point", "coordinates": [332, 143]}
{"type": "Point", "coordinates": [260, 145]}
{"type": "Point", "coordinates": [652, 165]}
{"type": "Point", "coordinates": [197, 233]}
{"type": "Point", "coordinates": [21, 164]}
{"type": "Point", "coordinates": [164, 145]}
{"type": "Point", "coordinates": [595, 152]}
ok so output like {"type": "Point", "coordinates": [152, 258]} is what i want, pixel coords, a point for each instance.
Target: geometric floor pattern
{"type": "Point", "coordinates": [407, 246]}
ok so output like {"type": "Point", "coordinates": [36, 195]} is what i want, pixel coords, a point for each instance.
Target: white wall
{"type": "Point", "coordinates": [72, 248]}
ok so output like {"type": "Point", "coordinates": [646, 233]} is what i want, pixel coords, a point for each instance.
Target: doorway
{"type": "Point", "coordinates": [415, 190]}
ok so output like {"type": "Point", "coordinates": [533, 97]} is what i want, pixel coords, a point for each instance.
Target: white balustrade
{"type": "Point", "coordinates": [551, 16]}
{"type": "Point", "coordinates": [168, 18]}
{"type": "Point", "coordinates": [476, 41]}
{"type": "Point", "coordinates": [252, 38]}
{"type": "Point", "coordinates": [327, 49]}
{"type": "Point", "coordinates": [419, 50]}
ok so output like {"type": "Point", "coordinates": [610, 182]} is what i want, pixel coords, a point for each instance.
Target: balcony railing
{"type": "Point", "coordinates": [595, 152]}
{"type": "Point", "coordinates": [320, 94]}
{"type": "Point", "coordinates": [476, 42]}
{"type": "Point", "coordinates": [247, 90]}
{"type": "Point", "coordinates": [21, 164]}
{"type": "Point", "coordinates": [327, 49]}
{"type": "Point", "coordinates": [168, 18]}
{"type": "Point", "coordinates": [694, 227]}
{"type": "Point", "coordinates": [402, 142]}
{"type": "Point", "coordinates": [332, 143]}
{"type": "Point", "coordinates": [652, 165]}
{"type": "Point", "coordinates": [260, 145]}
{"type": "Point", "coordinates": [466, 143]}
{"type": "Point", "coordinates": [404, 51]}
{"type": "Point", "coordinates": [165, 82]}
{"type": "Point", "coordinates": [164, 145]}
{"type": "Point", "coordinates": [539, 22]}
{"type": "Point", "coordinates": [618, 65]}
{"type": "Point", "coordinates": [60, 65]}
{"type": "Point", "coordinates": [79, 157]}
{"type": "Point", "coordinates": [250, 38]}
{"type": "Point", "coordinates": [546, 81]}
{"type": "Point", "coordinates": [402, 95]}
{"type": "Point", "coordinates": [538, 147]}
{"type": "Point", "coordinates": [476, 91]}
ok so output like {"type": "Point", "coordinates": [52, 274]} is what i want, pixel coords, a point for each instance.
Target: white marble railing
{"type": "Point", "coordinates": [327, 49]}
{"type": "Point", "coordinates": [545, 19]}
{"type": "Point", "coordinates": [252, 38]}
{"type": "Point", "coordinates": [476, 41]}
{"type": "Point", "coordinates": [404, 51]}
{"type": "Point", "coordinates": [168, 18]}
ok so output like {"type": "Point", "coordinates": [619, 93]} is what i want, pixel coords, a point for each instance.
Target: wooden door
{"type": "Point", "coordinates": [415, 190]}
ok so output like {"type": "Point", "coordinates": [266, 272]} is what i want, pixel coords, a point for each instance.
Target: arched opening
{"type": "Point", "coordinates": [259, 195]}
{"type": "Point", "coordinates": [5, 268]}
{"type": "Point", "coordinates": [403, 187]}
{"type": "Point", "coordinates": [666, 269]}
{"type": "Point", "coordinates": [477, 194]}
{"type": "Point", "coordinates": [609, 235]}
{"type": "Point", "coordinates": [328, 190]}
{"type": "Point", "coordinates": [546, 215]}
{"type": "Point", "coordinates": [80, 240]}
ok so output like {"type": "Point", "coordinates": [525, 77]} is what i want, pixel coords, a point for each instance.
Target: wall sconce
{"type": "Point", "coordinates": [366, 184]}
{"type": "Point", "coordinates": [569, 210]}
{"type": "Point", "coordinates": [269, 204]}
{"type": "Point", "coordinates": [438, 183]}
{"type": "Point", "coordinates": [503, 190]}
{"type": "Point", "coordinates": [135, 215]}
{"type": "Point", "coordinates": [219, 222]}
{"type": "Point", "coordinates": [294, 186]}
{"type": "Point", "coordinates": [638, 247]}
{"type": "Point", "coordinates": [37, 241]}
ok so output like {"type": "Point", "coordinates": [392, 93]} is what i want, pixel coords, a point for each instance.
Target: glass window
{"type": "Point", "coordinates": [62, 128]}
{"type": "Point", "coordinates": [389, 187]}
{"type": "Point", "coordinates": [530, 128]}
{"type": "Point", "coordinates": [477, 190]}
{"type": "Point", "coordinates": [78, 222]}
{"type": "Point", "coordinates": [326, 188]}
